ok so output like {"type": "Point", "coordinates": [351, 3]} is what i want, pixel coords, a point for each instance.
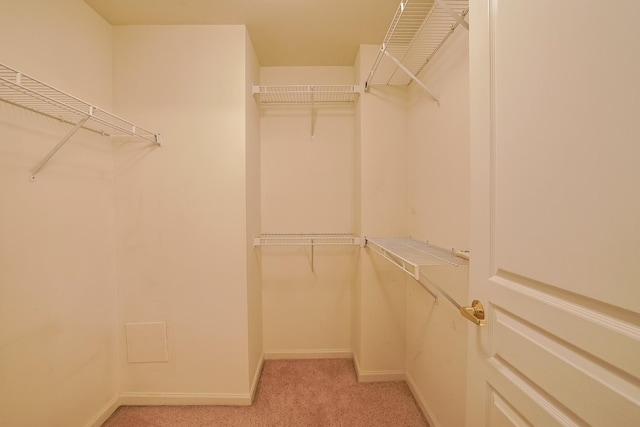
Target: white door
{"type": "Point", "coordinates": [555, 243]}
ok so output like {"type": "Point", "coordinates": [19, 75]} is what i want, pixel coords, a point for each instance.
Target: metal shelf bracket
{"type": "Point", "coordinates": [54, 150]}
{"type": "Point", "coordinates": [410, 74]}
{"type": "Point", "coordinates": [313, 121]}
{"type": "Point", "coordinates": [458, 18]}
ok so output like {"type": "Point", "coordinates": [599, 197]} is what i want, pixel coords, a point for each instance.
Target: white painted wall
{"type": "Point", "coordinates": [380, 287]}
{"type": "Point", "coordinates": [58, 361]}
{"type": "Point", "coordinates": [254, 213]}
{"type": "Point", "coordinates": [185, 215]}
{"type": "Point", "coordinates": [181, 211]}
{"type": "Point", "coordinates": [307, 187]}
{"type": "Point", "coordinates": [438, 212]}
{"type": "Point", "coordinates": [356, 286]}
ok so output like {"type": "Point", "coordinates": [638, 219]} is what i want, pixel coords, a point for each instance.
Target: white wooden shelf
{"type": "Point", "coordinates": [26, 92]}
{"type": "Point", "coordinates": [418, 30]}
{"type": "Point", "coordinates": [306, 94]}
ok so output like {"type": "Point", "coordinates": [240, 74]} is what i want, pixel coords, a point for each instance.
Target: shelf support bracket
{"type": "Point", "coordinates": [313, 115]}
{"type": "Point", "coordinates": [451, 12]}
{"type": "Point", "coordinates": [410, 74]}
{"type": "Point", "coordinates": [36, 168]}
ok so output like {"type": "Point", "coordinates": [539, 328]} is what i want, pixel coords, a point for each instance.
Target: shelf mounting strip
{"type": "Point", "coordinates": [19, 89]}
{"type": "Point", "coordinates": [306, 94]}
{"type": "Point", "coordinates": [417, 31]}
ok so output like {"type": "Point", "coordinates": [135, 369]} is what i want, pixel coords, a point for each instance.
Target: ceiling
{"type": "Point", "coordinates": [283, 32]}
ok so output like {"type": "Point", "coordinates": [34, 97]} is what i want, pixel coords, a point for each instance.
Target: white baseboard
{"type": "Point", "coordinates": [256, 378]}
{"type": "Point", "coordinates": [137, 399]}
{"type": "Point", "coordinates": [338, 353]}
{"type": "Point", "coordinates": [422, 403]}
{"type": "Point", "coordinates": [377, 376]}
{"type": "Point", "coordinates": [105, 412]}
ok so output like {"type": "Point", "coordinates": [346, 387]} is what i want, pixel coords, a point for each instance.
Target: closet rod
{"type": "Point", "coordinates": [474, 313]}
{"type": "Point", "coordinates": [435, 285]}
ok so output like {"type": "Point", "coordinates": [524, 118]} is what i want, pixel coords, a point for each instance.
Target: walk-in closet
{"type": "Point", "coordinates": [450, 204]}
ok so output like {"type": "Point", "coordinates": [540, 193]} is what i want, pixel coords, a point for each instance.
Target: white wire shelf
{"type": "Point", "coordinates": [305, 239]}
{"type": "Point", "coordinates": [19, 89]}
{"type": "Point", "coordinates": [417, 31]}
{"type": "Point", "coordinates": [410, 255]}
{"type": "Point", "coordinates": [310, 240]}
{"type": "Point", "coordinates": [24, 91]}
{"type": "Point", "coordinates": [306, 94]}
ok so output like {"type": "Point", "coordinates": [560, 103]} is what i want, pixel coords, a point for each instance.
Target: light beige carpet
{"type": "Point", "coordinates": [294, 393]}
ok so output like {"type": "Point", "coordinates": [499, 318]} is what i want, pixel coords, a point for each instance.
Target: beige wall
{"type": "Point", "coordinates": [181, 211]}
{"type": "Point", "coordinates": [307, 187]}
{"type": "Point", "coordinates": [176, 223]}
{"type": "Point", "coordinates": [438, 211]}
{"type": "Point", "coordinates": [58, 362]}
{"type": "Point", "coordinates": [356, 285]}
{"type": "Point", "coordinates": [379, 286]}
{"type": "Point", "coordinates": [254, 211]}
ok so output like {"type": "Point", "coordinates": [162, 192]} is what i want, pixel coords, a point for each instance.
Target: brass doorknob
{"type": "Point", "coordinates": [475, 313]}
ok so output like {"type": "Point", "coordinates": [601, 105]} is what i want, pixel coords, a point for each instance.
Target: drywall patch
{"type": "Point", "coordinates": [146, 342]}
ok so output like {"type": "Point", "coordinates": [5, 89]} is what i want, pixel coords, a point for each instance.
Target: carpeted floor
{"type": "Point", "coordinates": [294, 393]}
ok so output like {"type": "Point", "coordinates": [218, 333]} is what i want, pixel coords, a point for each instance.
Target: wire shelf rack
{"type": "Point", "coordinates": [417, 31]}
{"type": "Point", "coordinates": [303, 239]}
{"type": "Point", "coordinates": [306, 94]}
{"type": "Point", "coordinates": [410, 255]}
{"type": "Point", "coordinates": [19, 89]}
{"type": "Point", "coordinates": [24, 91]}
{"type": "Point", "coordinates": [310, 240]}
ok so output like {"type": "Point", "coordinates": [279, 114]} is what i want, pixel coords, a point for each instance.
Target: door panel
{"type": "Point", "coordinates": [583, 384]}
{"type": "Point", "coordinates": [502, 414]}
{"type": "Point", "coordinates": [532, 405]}
{"type": "Point", "coordinates": [555, 119]}
{"type": "Point", "coordinates": [580, 323]}
{"type": "Point", "coordinates": [567, 152]}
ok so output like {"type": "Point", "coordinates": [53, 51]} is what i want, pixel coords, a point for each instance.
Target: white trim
{"type": "Point", "coordinates": [104, 414]}
{"type": "Point", "coordinates": [377, 376]}
{"type": "Point", "coordinates": [137, 399]}
{"type": "Point", "coordinates": [256, 378]}
{"type": "Point", "coordinates": [337, 353]}
{"type": "Point", "coordinates": [424, 406]}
